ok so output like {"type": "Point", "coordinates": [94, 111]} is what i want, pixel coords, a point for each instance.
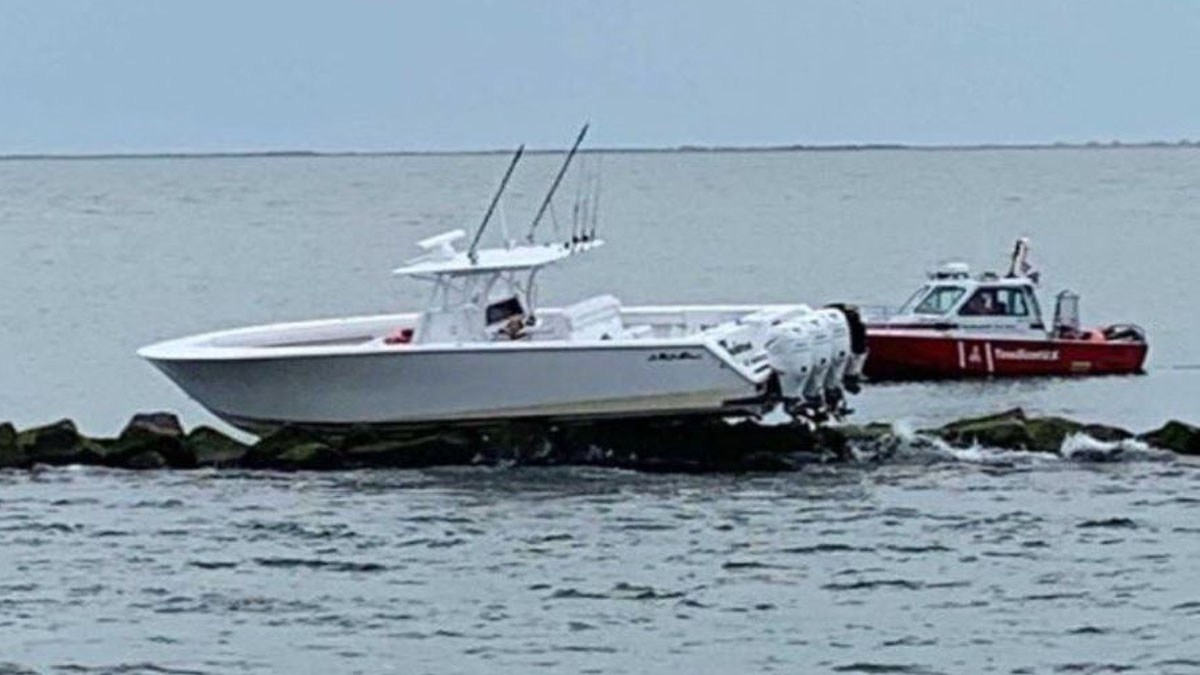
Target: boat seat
{"type": "Point", "coordinates": [597, 318]}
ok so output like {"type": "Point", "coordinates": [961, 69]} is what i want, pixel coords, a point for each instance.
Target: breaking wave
{"type": "Point", "coordinates": [906, 445]}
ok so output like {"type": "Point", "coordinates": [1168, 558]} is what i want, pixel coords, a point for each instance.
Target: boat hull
{"type": "Point", "coordinates": [412, 387]}
{"type": "Point", "coordinates": [903, 354]}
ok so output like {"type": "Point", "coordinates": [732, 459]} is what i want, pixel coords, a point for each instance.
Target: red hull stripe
{"type": "Point", "coordinates": [908, 355]}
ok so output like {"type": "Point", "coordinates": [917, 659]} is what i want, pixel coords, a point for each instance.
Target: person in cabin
{"type": "Point", "coordinates": [977, 305]}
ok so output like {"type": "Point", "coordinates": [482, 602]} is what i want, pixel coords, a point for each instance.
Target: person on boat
{"type": "Point", "coordinates": [978, 305]}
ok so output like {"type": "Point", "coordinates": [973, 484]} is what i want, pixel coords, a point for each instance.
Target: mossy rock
{"type": "Point", "coordinates": [269, 447]}
{"type": "Point", "coordinates": [1179, 437]}
{"type": "Point", "coordinates": [211, 448]}
{"type": "Point", "coordinates": [312, 456]}
{"type": "Point", "coordinates": [162, 424]}
{"type": "Point", "coordinates": [1010, 415]}
{"type": "Point", "coordinates": [1006, 434]}
{"type": "Point", "coordinates": [158, 433]}
{"type": "Point", "coordinates": [868, 433]}
{"type": "Point", "coordinates": [1106, 433]}
{"type": "Point", "coordinates": [1048, 433]}
{"type": "Point", "coordinates": [408, 452]}
{"type": "Point", "coordinates": [10, 456]}
{"type": "Point", "coordinates": [145, 460]}
{"type": "Point", "coordinates": [59, 444]}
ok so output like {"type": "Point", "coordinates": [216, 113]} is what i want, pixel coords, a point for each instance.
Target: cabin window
{"type": "Point", "coordinates": [907, 307]}
{"type": "Point", "coordinates": [503, 310]}
{"type": "Point", "coordinates": [940, 300]}
{"type": "Point", "coordinates": [1030, 299]}
{"type": "Point", "coordinates": [996, 302]}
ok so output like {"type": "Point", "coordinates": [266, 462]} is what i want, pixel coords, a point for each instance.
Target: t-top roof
{"type": "Point", "coordinates": [524, 256]}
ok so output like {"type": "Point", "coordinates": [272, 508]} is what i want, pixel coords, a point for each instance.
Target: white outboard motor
{"type": "Point", "coordinates": [839, 347]}
{"type": "Point", "coordinates": [857, 334]}
{"type": "Point", "coordinates": [790, 354]}
{"type": "Point", "coordinates": [822, 350]}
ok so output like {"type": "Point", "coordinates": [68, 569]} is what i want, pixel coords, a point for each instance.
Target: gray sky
{"type": "Point", "coordinates": [144, 76]}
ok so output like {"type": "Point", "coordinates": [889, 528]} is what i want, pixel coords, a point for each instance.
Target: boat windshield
{"type": "Point", "coordinates": [907, 307]}
{"type": "Point", "coordinates": [940, 300]}
{"type": "Point", "coordinates": [997, 302]}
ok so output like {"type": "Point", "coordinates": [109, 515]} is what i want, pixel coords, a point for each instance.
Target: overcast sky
{"type": "Point", "coordinates": [208, 75]}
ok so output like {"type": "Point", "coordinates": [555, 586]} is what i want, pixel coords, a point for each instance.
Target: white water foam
{"type": "Point", "coordinates": [906, 444]}
{"type": "Point", "coordinates": [1079, 447]}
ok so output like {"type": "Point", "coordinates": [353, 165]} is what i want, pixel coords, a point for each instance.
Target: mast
{"type": "Point", "coordinates": [554, 186]}
{"type": "Point", "coordinates": [471, 252]}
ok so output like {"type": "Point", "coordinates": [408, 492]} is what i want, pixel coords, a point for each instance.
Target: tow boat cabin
{"type": "Point", "coordinates": [953, 300]}
{"type": "Point", "coordinates": [957, 325]}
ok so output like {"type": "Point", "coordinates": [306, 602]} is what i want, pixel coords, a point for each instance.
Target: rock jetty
{"type": "Point", "coordinates": [158, 441]}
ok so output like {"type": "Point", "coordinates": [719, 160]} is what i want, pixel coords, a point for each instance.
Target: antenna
{"type": "Point", "coordinates": [554, 186]}
{"type": "Point", "coordinates": [492, 207]}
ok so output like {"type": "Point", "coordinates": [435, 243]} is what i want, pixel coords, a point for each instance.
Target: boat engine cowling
{"type": "Point", "coordinates": [857, 334]}
{"type": "Point", "coordinates": [790, 354]}
{"type": "Point", "coordinates": [822, 347]}
{"type": "Point", "coordinates": [839, 354]}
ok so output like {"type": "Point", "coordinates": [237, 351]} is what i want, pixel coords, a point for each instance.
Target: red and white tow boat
{"type": "Point", "coordinates": [958, 326]}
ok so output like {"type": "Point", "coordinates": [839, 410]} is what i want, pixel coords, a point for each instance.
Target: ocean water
{"type": "Point", "coordinates": [926, 562]}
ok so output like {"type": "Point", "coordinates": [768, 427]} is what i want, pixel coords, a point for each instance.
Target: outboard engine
{"type": "Point", "coordinates": [790, 355]}
{"type": "Point", "coordinates": [852, 377]}
{"type": "Point", "coordinates": [822, 349]}
{"type": "Point", "coordinates": [839, 349]}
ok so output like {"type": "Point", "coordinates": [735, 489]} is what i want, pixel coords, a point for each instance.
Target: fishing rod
{"type": "Point", "coordinates": [471, 253]}
{"type": "Point", "coordinates": [554, 186]}
{"type": "Point", "coordinates": [595, 201]}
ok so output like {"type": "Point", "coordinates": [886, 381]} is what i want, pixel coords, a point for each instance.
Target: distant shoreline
{"type": "Point", "coordinates": [865, 147]}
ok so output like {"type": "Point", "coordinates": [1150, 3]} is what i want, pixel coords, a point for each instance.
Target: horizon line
{"type": "Point", "coordinates": [687, 148]}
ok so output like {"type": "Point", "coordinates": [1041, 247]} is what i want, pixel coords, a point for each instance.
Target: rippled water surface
{"type": "Point", "coordinates": [929, 562]}
{"type": "Point", "coordinates": [983, 564]}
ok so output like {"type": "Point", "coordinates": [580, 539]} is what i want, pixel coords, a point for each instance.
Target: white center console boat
{"type": "Point", "coordinates": [483, 350]}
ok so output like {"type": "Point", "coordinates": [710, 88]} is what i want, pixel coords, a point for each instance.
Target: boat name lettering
{"type": "Point", "coordinates": [675, 356]}
{"type": "Point", "coordinates": [1025, 354]}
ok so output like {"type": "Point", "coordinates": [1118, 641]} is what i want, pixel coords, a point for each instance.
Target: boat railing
{"type": "Point", "coordinates": [878, 313]}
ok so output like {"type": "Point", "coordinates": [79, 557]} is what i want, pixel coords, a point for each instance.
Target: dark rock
{"type": "Point", "coordinates": [701, 445]}
{"type": "Point", "coordinates": [408, 452]}
{"type": "Point", "coordinates": [10, 456]}
{"type": "Point", "coordinates": [162, 424]}
{"type": "Point", "coordinates": [771, 461]}
{"type": "Point", "coordinates": [1176, 436]}
{"type": "Point", "coordinates": [212, 448]}
{"type": "Point", "coordinates": [58, 444]}
{"type": "Point", "coordinates": [1013, 430]}
{"type": "Point", "coordinates": [1004, 433]}
{"type": "Point", "coordinates": [868, 438]}
{"type": "Point", "coordinates": [869, 433]}
{"type": "Point", "coordinates": [308, 456]}
{"type": "Point", "coordinates": [366, 435]}
{"type": "Point", "coordinates": [1103, 432]}
{"type": "Point", "coordinates": [263, 453]}
{"type": "Point", "coordinates": [1048, 433]}
{"type": "Point", "coordinates": [527, 443]}
{"type": "Point", "coordinates": [1011, 415]}
{"type": "Point", "coordinates": [146, 459]}
{"type": "Point", "coordinates": [159, 433]}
